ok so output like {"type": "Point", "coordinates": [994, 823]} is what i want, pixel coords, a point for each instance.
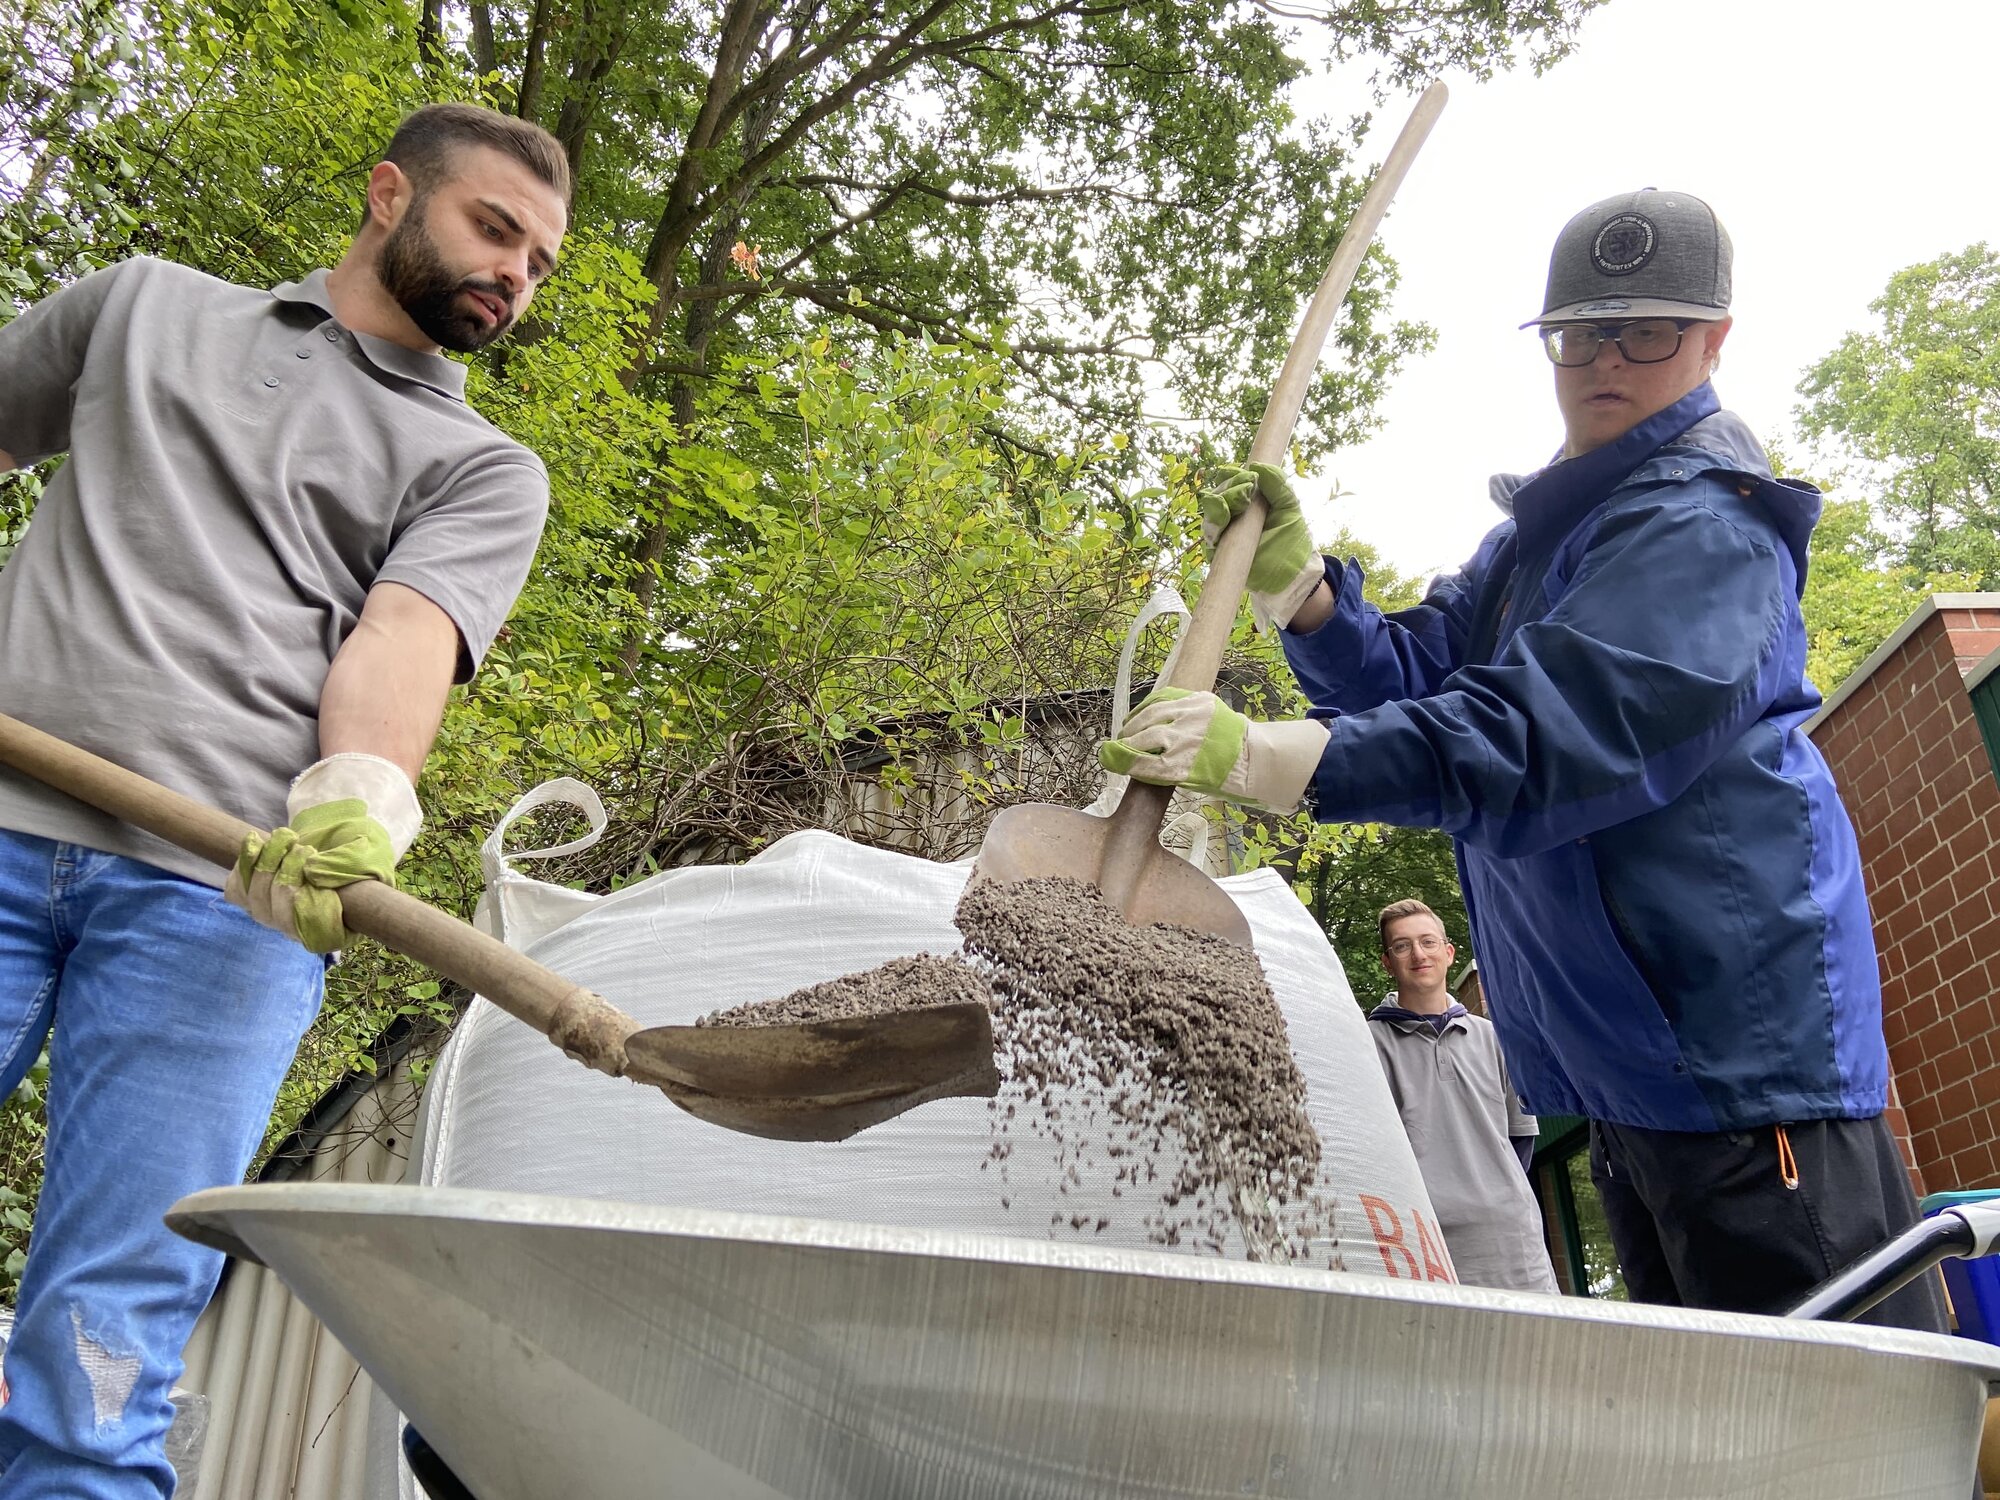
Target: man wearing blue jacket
{"type": "Point", "coordinates": [1603, 710]}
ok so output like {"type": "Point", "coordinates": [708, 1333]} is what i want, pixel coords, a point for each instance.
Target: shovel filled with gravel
{"type": "Point", "coordinates": [833, 1064]}
{"type": "Point", "coordinates": [1122, 855]}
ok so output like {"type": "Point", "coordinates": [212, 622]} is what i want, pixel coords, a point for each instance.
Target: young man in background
{"type": "Point", "coordinates": [1472, 1139]}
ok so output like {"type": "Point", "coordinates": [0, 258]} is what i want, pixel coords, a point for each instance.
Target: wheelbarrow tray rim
{"type": "Point", "coordinates": [228, 1219]}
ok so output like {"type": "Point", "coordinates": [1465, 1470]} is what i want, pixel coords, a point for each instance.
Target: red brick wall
{"type": "Point", "coordinates": [1921, 789]}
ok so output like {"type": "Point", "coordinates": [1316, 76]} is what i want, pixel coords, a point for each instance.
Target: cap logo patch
{"type": "Point", "coordinates": [1623, 244]}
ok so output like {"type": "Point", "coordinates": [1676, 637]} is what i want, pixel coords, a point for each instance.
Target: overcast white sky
{"type": "Point", "coordinates": [1837, 141]}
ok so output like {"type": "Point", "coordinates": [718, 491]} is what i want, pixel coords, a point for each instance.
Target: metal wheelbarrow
{"type": "Point", "coordinates": [555, 1346]}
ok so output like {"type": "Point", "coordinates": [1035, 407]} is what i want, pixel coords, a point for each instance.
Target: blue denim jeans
{"type": "Point", "coordinates": [171, 1019]}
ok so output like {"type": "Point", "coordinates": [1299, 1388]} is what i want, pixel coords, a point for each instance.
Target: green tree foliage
{"type": "Point", "coordinates": [1907, 415]}
{"type": "Point", "coordinates": [1121, 187]}
{"type": "Point", "coordinates": [1914, 406]}
{"type": "Point", "coordinates": [897, 599]}
{"type": "Point", "coordinates": [1116, 192]}
{"type": "Point", "coordinates": [1857, 592]}
{"type": "Point", "coordinates": [62, 178]}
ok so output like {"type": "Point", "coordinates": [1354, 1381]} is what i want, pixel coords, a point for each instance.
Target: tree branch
{"type": "Point", "coordinates": [999, 199]}
{"type": "Point", "coordinates": [741, 24]}
{"type": "Point", "coordinates": [791, 64]}
{"type": "Point", "coordinates": [589, 68]}
{"type": "Point", "coordinates": [912, 323]}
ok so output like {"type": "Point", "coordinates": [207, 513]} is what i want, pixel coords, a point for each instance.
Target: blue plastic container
{"type": "Point", "coordinates": [1974, 1284]}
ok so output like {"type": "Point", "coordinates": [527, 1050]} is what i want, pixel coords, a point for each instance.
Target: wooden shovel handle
{"type": "Point", "coordinates": [1229, 571]}
{"type": "Point", "coordinates": [1135, 826]}
{"type": "Point", "coordinates": [583, 1024]}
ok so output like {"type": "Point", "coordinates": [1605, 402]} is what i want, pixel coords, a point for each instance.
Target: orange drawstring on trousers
{"type": "Point", "coordinates": [1788, 1164]}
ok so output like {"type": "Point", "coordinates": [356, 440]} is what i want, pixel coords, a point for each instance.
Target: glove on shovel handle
{"type": "Point", "coordinates": [584, 1024]}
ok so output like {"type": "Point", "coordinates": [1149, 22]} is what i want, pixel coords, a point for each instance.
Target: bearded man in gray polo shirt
{"type": "Point", "coordinates": [1471, 1136]}
{"type": "Point", "coordinates": [279, 537]}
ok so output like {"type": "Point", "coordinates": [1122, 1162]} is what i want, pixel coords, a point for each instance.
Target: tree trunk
{"type": "Point", "coordinates": [483, 56]}
{"type": "Point", "coordinates": [529, 98]}
{"type": "Point", "coordinates": [703, 317]}
{"type": "Point", "coordinates": [743, 27]}
{"type": "Point", "coordinates": [701, 325]}
{"type": "Point", "coordinates": [596, 55]}
{"type": "Point", "coordinates": [430, 35]}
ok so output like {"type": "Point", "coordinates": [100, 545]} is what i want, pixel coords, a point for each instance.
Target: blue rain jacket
{"type": "Point", "coordinates": [1603, 710]}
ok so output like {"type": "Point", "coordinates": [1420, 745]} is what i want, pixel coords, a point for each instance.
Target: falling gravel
{"type": "Point", "coordinates": [1138, 1046]}
{"type": "Point", "coordinates": [1154, 1056]}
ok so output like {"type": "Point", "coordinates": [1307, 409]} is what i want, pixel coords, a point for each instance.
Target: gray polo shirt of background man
{"type": "Point", "coordinates": [1459, 1110]}
{"type": "Point", "coordinates": [242, 470]}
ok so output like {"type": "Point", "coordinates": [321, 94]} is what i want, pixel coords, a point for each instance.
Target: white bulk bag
{"type": "Point", "coordinates": [504, 1109]}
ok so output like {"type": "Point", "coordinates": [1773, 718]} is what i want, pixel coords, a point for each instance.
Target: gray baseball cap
{"type": "Point", "coordinates": [1647, 254]}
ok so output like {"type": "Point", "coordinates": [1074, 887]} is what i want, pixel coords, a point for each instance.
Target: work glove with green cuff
{"type": "Point", "coordinates": [1287, 567]}
{"type": "Point", "coordinates": [1195, 740]}
{"type": "Point", "coordinates": [349, 817]}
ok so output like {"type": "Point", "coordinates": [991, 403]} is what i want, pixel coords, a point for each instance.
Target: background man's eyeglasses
{"type": "Point", "coordinates": [1402, 946]}
{"type": "Point", "coordinates": [1644, 341]}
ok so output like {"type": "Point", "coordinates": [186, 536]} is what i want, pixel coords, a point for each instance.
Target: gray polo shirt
{"type": "Point", "coordinates": [242, 469]}
{"type": "Point", "coordinates": [1459, 1109]}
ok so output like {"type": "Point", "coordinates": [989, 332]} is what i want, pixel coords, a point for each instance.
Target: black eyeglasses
{"type": "Point", "coordinates": [1645, 341]}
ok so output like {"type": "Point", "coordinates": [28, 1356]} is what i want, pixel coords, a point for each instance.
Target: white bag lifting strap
{"type": "Point", "coordinates": [1165, 600]}
{"type": "Point", "coordinates": [501, 912]}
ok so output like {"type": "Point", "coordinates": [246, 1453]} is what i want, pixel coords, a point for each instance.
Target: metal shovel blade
{"type": "Point", "coordinates": [1148, 884]}
{"type": "Point", "coordinates": [819, 1080]}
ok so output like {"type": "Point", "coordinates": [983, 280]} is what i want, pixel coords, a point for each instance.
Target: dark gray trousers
{"type": "Point", "coordinates": [1707, 1220]}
